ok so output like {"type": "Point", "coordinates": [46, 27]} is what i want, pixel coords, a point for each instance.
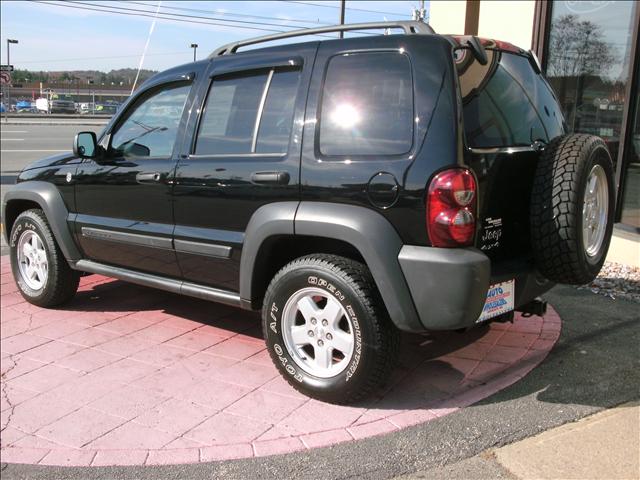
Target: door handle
{"type": "Point", "coordinates": [148, 177]}
{"type": "Point", "coordinates": [278, 178]}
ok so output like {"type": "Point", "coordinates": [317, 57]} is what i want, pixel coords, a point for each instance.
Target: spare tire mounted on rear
{"type": "Point", "coordinates": [572, 204]}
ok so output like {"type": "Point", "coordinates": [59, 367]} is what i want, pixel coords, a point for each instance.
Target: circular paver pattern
{"type": "Point", "coordinates": [126, 375]}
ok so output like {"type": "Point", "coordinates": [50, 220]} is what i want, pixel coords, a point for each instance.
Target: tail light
{"type": "Point", "coordinates": [451, 208]}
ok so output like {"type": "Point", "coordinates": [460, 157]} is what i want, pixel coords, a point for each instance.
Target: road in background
{"type": "Point", "coordinates": [21, 144]}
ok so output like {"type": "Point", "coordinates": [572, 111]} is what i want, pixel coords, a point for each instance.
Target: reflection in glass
{"type": "Point", "coordinates": [345, 116]}
{"type": "Point", "coordinates": [588, 64]}
{"type": "Point", "coordinates": [86, 144]}
{"type": "Point", "coordinates": [631, 199]}
{"type": "Point", "coordinates": [367, 105]}
{"type": "Point", "coordinates": [505, 102]}
{"type": "Point", "coordinates": [151, 126]}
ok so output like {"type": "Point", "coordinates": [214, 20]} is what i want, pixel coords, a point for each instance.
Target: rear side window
{"type": "Point", "coordinates": [367, 105]}
{"type": "Point", "coordinates": [249, 114]}
{"type": "Point", "coordinates": [277, 116]}
{"type": "Point", "coordinates": [505, 103]}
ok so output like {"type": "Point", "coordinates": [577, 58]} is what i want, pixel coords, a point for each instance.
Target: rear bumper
{"type": "Point", "coordinates": [448, 286]}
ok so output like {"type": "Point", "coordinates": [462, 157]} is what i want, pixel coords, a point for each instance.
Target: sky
{"type": "Point", "coordinates": [58, 35]}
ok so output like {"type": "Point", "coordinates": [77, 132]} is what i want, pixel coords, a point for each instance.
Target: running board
{"type": "Point", "coordinates": [162, 283]}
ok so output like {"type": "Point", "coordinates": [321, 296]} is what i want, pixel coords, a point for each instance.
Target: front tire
{"type": "Point", "coordinates": [327, 330]}
{"type": "Point", "coordinates": [41, 272]}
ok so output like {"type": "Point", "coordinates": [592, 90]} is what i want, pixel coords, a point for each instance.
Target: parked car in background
{"type": "Point", "coordinates": [24, 105]}
{"type": "Point", "coordinates": [62, 105]}
{"type": "Point", "coordinates": [106, 108]}
{"type": "Point", "coordinates": [42, 105]}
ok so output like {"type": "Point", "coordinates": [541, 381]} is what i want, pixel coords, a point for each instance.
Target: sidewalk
{"type": "Point", "coordinates": [603, 446]}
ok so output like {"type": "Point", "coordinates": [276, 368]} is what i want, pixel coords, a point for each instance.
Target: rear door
{"type": "Point", "coordinates": [242, 152]}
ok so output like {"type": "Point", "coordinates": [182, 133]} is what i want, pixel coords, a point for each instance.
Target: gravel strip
{"type": "Point", "coordinates": [616, 281]}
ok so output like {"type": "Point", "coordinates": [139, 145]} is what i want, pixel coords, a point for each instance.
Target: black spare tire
{"type": "Point", "coordinates": [572, 208]}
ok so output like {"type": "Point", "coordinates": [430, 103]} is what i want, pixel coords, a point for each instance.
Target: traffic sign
{"type": "Point", "coordinates": [6, 68]}
{"type": "Point", "coordinates": [5, 78]}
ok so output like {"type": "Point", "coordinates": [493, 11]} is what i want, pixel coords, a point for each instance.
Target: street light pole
{"type": "Point", "coordinates": [343, 6]}
{"type": "Point", "coordinates": [9, 42]}
{"type": "Point", "coordinates": [195, 47]}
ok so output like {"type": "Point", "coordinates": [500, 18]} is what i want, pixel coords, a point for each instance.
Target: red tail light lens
{"type": "Point", "coordinates": [451, 208]}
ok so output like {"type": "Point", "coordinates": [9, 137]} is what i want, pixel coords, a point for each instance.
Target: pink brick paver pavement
{"type": "Point", "coordinates": [126, 375]}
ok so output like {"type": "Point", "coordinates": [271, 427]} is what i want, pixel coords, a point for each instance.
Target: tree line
{"type": "Point", "coordinates": [122, 76]}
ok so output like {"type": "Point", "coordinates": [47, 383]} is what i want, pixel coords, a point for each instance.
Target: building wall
{"type": "Point", "coordinates": [507, 20]}
{"type": "Point", "coordinates": [447, 16]}
{"type": "Point", "coordinates": [510, 21]}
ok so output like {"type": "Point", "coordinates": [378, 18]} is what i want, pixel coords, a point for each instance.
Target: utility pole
{"type": "Point", "coordinates": [195, 47]}
{"type": "Point", "coordinates": [419, 14]}
{"type": "Point", "coordinates": [8, 86]}
{"type": "Point", "coordinates": [343, 6]}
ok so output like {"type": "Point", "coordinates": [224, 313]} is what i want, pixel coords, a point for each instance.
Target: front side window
{"type": "Point", "coordinates": [151, 127]}
{"type": "Point", "coordinates": [367, 105]}
{"type": "Point", "coordinates": [249, 114]}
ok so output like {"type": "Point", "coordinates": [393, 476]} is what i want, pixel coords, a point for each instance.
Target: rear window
{"type": "Point", "coordinates": [367, 105]}
{"type": "Point", "coordinates": [505, 102]}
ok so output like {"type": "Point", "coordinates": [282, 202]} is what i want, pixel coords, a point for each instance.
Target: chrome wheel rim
{"type": "Point", "coordinates": [595, 211]}
{"type": "Point", "coordinates": [317, 332]}
{"type": "Point", "coordinates": [32, 260]}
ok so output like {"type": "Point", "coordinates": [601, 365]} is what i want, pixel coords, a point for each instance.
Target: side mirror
{"type": "Point", "coordinates": [85, 145]}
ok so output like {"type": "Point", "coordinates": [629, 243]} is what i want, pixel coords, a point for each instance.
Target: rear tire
{"type": "Point", "coordinates": [40, 270]}
{"type": "Point", "coordinates": [572, 208]}
{"type": "Point", "coordinates": [327, 330]}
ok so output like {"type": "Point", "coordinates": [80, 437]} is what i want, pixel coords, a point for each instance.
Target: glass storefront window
{"type": "Point", "coordinates": [588, 64]}
{"type": "Point", "coordinates": [631, 191]}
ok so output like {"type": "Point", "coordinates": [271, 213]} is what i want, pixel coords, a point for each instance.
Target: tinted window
{"type": "Point", "coordinates": [277, 116]}
{"type": "Point", "coordinates": [151, 127]}
{"type": "Point", "coordinates": [232, 108]}
{"type": "Point", "coordinates": [505, 102]}
{"type": "Point", "coordinates": [367, 105]}
{"type": "Point", "coordinates": [230, 115]}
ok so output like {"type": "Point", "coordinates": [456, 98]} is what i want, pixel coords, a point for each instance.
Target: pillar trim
{"type": "Point", "coordinates": [472, 17]}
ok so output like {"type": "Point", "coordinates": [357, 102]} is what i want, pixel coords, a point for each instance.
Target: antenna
{"type": "Point", "coordinates": [419, 14]}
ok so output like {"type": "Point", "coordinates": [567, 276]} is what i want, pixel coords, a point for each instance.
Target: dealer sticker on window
{"type": "Point", "coordinates": [499, 300]}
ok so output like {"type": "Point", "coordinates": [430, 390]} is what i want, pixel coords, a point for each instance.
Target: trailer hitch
{"type": "Point", "coordinates": [537, 306]}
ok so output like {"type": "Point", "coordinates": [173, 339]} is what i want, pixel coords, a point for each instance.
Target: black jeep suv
{"type": "Point", "coordinates": [349, 188]}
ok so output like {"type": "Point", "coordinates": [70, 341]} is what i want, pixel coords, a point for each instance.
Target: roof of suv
{"type": "Point", "coordinates": [478, 45]}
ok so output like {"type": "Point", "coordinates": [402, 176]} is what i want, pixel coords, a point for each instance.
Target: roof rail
{"type": "Point", "coordinates": [409, 27]}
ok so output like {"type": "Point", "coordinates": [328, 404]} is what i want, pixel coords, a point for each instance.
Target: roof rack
{"type": "Point", "coordinates": [409, 27]}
